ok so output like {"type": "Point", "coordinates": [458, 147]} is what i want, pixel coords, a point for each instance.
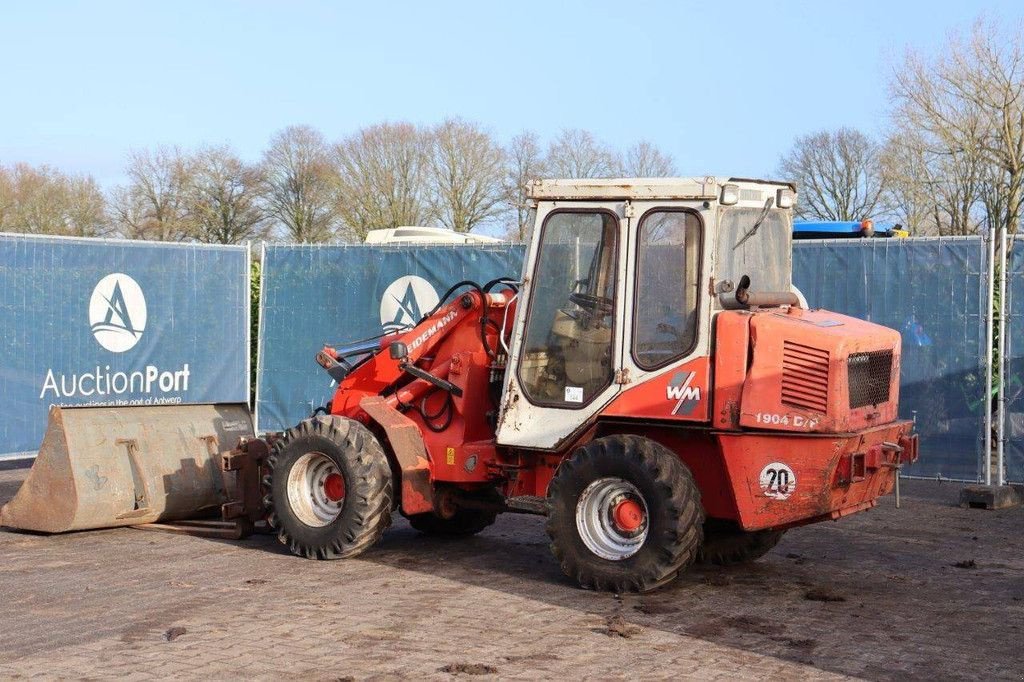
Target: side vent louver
{"type": "Point", "coordinates": [804, 377]}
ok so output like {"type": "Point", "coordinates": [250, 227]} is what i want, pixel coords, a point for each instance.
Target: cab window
{"type": "Point", "coordinates": [568, 348]}
{"type": "Point", "coordinates": [668, 264]}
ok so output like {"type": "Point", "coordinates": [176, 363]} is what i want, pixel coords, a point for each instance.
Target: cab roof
{"type": "Point", "coordinates": [707, 187]}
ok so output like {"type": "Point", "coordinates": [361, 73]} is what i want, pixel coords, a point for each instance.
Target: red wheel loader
{"type": "Point", "coordinates": [652, 386]}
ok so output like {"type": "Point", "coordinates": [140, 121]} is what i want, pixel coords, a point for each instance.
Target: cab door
{"type": "Point", "coordinates": [666, 346]}
{"type": "Point", "coordinates": [568, 336]}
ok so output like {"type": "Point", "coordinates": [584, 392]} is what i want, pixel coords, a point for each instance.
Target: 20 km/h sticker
{"type": "Point", "coordinates": [777, 481]}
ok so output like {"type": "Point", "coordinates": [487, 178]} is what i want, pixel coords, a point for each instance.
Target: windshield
{"type": "Point", "coordinates": [766, 256]}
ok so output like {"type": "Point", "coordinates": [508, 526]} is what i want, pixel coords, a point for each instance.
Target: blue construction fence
{"type": "Point", "coordinates": [1014, 369]}
{"type": "Point", "coordinates": [933, 290]}
{"type": "Point", "coordinates": [113, 322]}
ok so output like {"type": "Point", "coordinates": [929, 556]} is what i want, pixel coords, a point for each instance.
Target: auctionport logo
{"type": "Point", "coordinates": [117, 312]}
{"type": "Point", "coordinates": [405, 302]}
{"type": "Point", "coordinates": [117, 318]}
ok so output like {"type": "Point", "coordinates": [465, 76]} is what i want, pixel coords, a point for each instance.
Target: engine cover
{"type": "Point", "coordinates": [820, 372]}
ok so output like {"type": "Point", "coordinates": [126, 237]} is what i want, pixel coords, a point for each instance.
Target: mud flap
{"type": "Point", "coordinates": [406, 443]}
{"type": "Point", "coordinates": [102, 467]}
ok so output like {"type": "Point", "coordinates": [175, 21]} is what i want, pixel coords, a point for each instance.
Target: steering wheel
{"type": "Point", "coordinates": [595, 305]}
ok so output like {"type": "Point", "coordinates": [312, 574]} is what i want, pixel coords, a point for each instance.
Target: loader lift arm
{"type": "Point", "coordinates": [390, 391]}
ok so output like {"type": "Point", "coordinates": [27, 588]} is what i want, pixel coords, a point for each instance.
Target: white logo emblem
{"type": "Point", "coordinates": [685, 395]}
{"type": "Point", "coordinates": [777, 481]}
{"type": "Point", "coordinates": [117, 312]}
{"type": "Point", "coordinates": [405, 302]}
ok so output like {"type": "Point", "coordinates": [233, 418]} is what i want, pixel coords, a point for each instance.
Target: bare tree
{"type": "Point", "coordinates": [154, 205]}
{"type": "Point", "coordinates": [576, 154]}
{"type": "Point", "coordinates": [970, 100]}
{"type": "Point", "coordinates": [909, 183]}
{"type": "Point", "coordinates": [299, 185]}
{"type": "Point", "coordinates": [7, 198]}
{"type": "Point", "coordinates": [384, 178]}
{"type": "Point", "coordinates": [224, 197]}
{"type": "Point", "coordinates": [838, 173]}
{"type": "Point", "coordinates": [525, 162]}
{"type": "Point", "coordinates": [932, 189]}
{"type": "Point", "coordinates": [85, 214]}
{"type": "Point", "coordinates": [42, 200]}
{"type": "Point", "coordinates": [468, 168]}
{"type": "Point", "coordinates": [644, 160]}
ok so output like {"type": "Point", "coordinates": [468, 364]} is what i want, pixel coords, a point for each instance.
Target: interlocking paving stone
{"type": "Point", "coordinates": [98, 604]}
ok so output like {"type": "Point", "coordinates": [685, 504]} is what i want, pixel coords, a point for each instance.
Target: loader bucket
{"type": "Point", "coordinates": [100, 467]}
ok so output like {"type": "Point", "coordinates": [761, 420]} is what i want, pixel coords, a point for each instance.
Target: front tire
{"type": "Point", "coordinates": [625, 515]}
{"type": "Point", "coordinates": [330, 488]}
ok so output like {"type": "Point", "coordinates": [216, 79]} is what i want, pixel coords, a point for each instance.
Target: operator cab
{"type": "Point", "coordinates": [617, 288]}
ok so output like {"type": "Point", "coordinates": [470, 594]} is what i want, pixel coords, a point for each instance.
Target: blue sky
{"type": "Point", "coordinates": [723, 87]}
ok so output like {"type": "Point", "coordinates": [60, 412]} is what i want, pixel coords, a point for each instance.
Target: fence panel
{"type": "Point", "coordinates": [934, 292]}
{"type": "Point", "coordinates": [1013, 450]}
{"type": "Point", "coordinates": [101, 322]}
{"type": "Point", "coordinates": [316, 295]}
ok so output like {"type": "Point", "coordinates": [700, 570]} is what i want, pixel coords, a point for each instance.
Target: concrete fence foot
{"type": "Point", "coordinates": [990, 497]}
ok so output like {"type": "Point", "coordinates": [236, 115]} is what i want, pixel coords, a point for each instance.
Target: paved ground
{"type": "Point", "coordinates": [138, 604]}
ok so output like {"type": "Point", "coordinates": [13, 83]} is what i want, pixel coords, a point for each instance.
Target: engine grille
{"type": "Point", "coordinates": [870, 377]}
{"type": "Point", "coordinates": [804, 377]}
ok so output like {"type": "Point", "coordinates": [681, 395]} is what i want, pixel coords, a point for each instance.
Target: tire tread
{"type": "Point", "coordinates": [680, 496]}
{"type": "Point", "coordinates": [370, 489]}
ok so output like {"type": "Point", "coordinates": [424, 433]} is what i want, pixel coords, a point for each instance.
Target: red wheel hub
{"type": "Point", "coordinates": [334, 487]}
{"type": "Point", "coordinates": [628, 515]}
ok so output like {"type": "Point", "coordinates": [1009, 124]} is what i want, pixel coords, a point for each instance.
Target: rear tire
{"type": "Point", "coordinates": [725, 544]}
{"type": "Point", "coordinates": [625, 515]}
{"type": "Point", "coordinates": [464, 522]}
{"type": "Point", "coordinates": [330, 488]}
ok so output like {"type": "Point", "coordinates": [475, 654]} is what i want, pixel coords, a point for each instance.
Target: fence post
{"type": "Point", "coordinates": [248, 324]}
{"type": "Point", "coordinates": [1001, 379]}
{"type": "Point", "coordinates": [989, 355]}
{"type": "Point", "coordinates": [259, 336]}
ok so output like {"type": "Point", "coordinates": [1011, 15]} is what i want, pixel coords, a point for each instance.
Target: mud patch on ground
{"type": "Point", "coordinates": [797, 642]}
{"type": "Point", "coordinates": [468, 669]}
{"type": "Point", "coordinates": [754, 624]}
{"type": "Point", "coordinates": [171, 634]}
{"type": "Point", "coordinates": [826, 594]}
{"type": "Point", "coordinates": [524, 658]}
{"type": "Point", "coordinates": [707, 630]}
{"type": "Point", "coordinates": [656, 608]}
{"type": "Point", "coordinates": [718, 580]}
{"type": "Point", "coordinates": [617, 626]}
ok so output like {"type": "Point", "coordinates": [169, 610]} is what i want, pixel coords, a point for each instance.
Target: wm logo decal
{"type": "Point", "coordinates": [685, 395]}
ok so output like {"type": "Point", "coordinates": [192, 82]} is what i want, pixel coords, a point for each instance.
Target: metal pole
{"type": "Point", "coordinates": [1001, 379]}
{"type": "Point", "coordinates": [989, 356]}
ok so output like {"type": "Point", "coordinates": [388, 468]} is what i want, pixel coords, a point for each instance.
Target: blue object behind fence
{"type": "Point", "coordinates": [86, 321]}
{"type": "Point", "coordinates": [934, 292]}
{"type": "Point", "coordinates": [316, 295]}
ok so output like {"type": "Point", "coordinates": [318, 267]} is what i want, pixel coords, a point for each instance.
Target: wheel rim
{"type": "Point", "coordinates": [611, 517]}
{"type": "Point", "coordinates": [316, 489]}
